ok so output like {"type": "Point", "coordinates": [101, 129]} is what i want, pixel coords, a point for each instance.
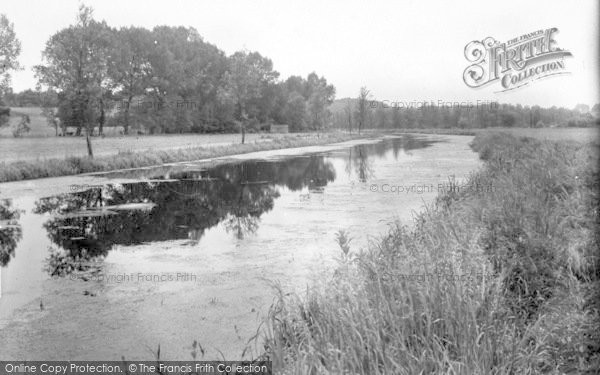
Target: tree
{"type": "Point", "coordinates": [21, 127]}
{"type": "Point", "coordinates": [77, 66]}
{"type": "Point", "coordinates": [129, 67]}
{"type": "Point", "coordinates": [295, 112]}
{"type": "Point", "coordinates": [320, 96]}
{"type": "Point", "coordinates": [248, 76]}
{"type": "Point", "coordinates": [582, 108]}
{"type": "Point", "coordinates": [362, 107]}
{"type": "Point", "coordinates": [348, 113]}
{"type": "Point", "coordinates": [50, 115]}
{"type": "Point", "coordinates": [10, 49]}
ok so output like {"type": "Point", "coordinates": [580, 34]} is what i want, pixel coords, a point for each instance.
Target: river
{"type": "Point", "coordinates": [165, 256]}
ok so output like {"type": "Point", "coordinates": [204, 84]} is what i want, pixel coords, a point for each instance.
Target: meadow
{"type": "Point", "coordinates": [554, 134]}
{"type": "Point", "coordinates": [42, 143]}
{"type": "Point", "coordinates": [126, 159]}
{"type": "Point", "coordinates": [498, 277]}
{"type": "Point", "coordinates": [40, 153]}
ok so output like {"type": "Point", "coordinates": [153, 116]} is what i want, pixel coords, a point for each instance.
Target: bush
{"type": "Point", "coordinates": [21, 127]}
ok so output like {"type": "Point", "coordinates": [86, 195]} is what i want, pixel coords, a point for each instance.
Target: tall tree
{"type": "Point", "coordinates": [248, 76]}
{"type": "Point", "coordinates": [129, 67]}
{"type": "Point", "coordinates": [320, 96]}
{"type": "Point", "coordinates": [349, 113]}
{"type": "Point", "coordinates": [362, 108]}
{"type": "Point", "coordinates": [10, 48]}
{"type": "Point", "coordinates": [77, 66]}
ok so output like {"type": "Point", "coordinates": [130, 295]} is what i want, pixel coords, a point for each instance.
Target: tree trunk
{"type": "Point", "coordinates": [126, 125]}
{"type": "Point", "coordinates": [243, 119]}
{"type": "Point", "coordinates": [102, 118]}
{"type": "Point", "coordinates": [89, 144]}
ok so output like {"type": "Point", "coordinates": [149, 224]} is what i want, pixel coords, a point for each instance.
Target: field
{"type": "Point", "coordinates": [41, 143]}
{"type": "Point", "coordinates": [499, 276]}
{"type": "Point", "coordinates": [38, 125]}
{"type": "Point", "coordinates": [18, 170]}
{"type": "Point", "coordinates": [554, 134]}
{"type": "Point", "coordinates": [30, 149]}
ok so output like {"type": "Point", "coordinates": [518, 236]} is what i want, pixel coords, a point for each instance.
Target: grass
{"type": "Point", "coordinates": [39, 126]}
{"type": "Point", "coordinates": [497, 278]}
{"type": "Point", "coordinates": [31, 169]}
{"type": "Point", "coordinates": [554, 134]}
{"type": "Point", "coordinates": [31, 148]}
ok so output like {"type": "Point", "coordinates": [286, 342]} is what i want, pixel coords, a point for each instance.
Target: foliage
{"type": "Point", "coordinates": [494, 278]}
{"type": "Point", "coordinates": [10, 49]}
{"type": "Point", "coordinates": [169, 80]}
{"type": "Point", "coordinates": [21, 127]}
{"type": "Point", "coordinates": [464, 115]}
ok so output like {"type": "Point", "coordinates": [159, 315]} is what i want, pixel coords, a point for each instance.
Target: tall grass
{"type": "Point", "coordinates": [494, 278]}
{"type": "Point", "coordinates": [24, 170]}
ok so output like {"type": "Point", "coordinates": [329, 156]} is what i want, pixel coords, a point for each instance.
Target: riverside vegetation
{"type": "Point", "coordinates": [25, 170]}
{"type": "Point", "coordinates": [529, 303]}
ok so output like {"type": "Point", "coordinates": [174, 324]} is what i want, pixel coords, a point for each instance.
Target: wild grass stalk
{"type": "Point", "coordinates": [498, 277]}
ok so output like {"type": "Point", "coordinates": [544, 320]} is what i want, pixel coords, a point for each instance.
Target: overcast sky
{"type": "Point", "coordinates": [400, 50]}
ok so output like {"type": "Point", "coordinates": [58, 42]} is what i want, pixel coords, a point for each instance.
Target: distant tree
{"type": "Point", "coordinates": [295, 112]}
{"type": "Point", "coordinates": [463, 122]}
{"type": "Point", "coordinates": [582, 108]}
{"type": "Point", "coordinates": [4, 115]}
{"type": "Point", "coordinates": [509, 119]}
{"type": "Point", "coordinates": [247, 76]}
{"type": "Point", "coordinates": [596, 110]}
{"type": "Point", "coordinates": [10, 49]}
{"type": "Point", "coordinates": [381, 116]}
{"type": "Point", "coordinates": [349, 112]}
{"type": "Point", "coordinates": [129, 67]}
{"type": "Point", "coordinates": [362, 108]}
{"type": "Point", "coordinates": [320, 96]}
{"type": "Point", "coordinates": [50, 115]}
{"type": "Point", "coordinates": [77, 65]}
{"type": "Point", "coordinates": [21, 127]}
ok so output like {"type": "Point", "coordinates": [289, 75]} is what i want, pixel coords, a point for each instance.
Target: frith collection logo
{"type": "Point", "coordinates": [516, 62]}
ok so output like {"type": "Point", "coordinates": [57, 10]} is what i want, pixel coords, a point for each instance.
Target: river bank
{"type": "Point", "coordinates": [500, 277]}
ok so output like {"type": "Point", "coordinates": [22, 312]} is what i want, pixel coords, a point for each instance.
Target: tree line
{"type": "Point", "coordinates": [355, 114]}
{"type": "Point", "coordinates": [97, 76]}
{"type": "Point", "coordinates": [169, 80]}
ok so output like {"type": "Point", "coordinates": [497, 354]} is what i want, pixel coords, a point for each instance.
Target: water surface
{"type": "Point", "coordinates": [191, 252]}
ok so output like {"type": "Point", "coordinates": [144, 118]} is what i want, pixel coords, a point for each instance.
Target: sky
{"type": "Point", "coordinates": [402, 51]}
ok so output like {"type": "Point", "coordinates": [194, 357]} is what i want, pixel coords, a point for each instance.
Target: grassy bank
{"type": "Point", "coordinates": [496, 277]}
{"type": "Point", "coordinates": [441, 131]}
{"type": "Point", "coordinates": [553, 134]}
{"type": "Point", "coordinates": [24, 170]}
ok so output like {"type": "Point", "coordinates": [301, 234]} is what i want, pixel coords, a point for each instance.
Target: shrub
{"type": "Point", "coordinates": [21, 127]}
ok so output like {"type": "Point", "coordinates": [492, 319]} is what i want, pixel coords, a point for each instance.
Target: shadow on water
{"type": "Point", "coordinates": [10, 231]}
{"type": "Point", "coordinates": [184, 202]}
{"type": "Point", "coordinates": [89, 223]}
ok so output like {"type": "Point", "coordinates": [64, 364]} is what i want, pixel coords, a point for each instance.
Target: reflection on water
{"type": "Point", "coordinates": [10, 231]}
{"type": "Point", "coordinates": [184, 206]}
{"type": "Point", "coordinates": [184, 202]}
